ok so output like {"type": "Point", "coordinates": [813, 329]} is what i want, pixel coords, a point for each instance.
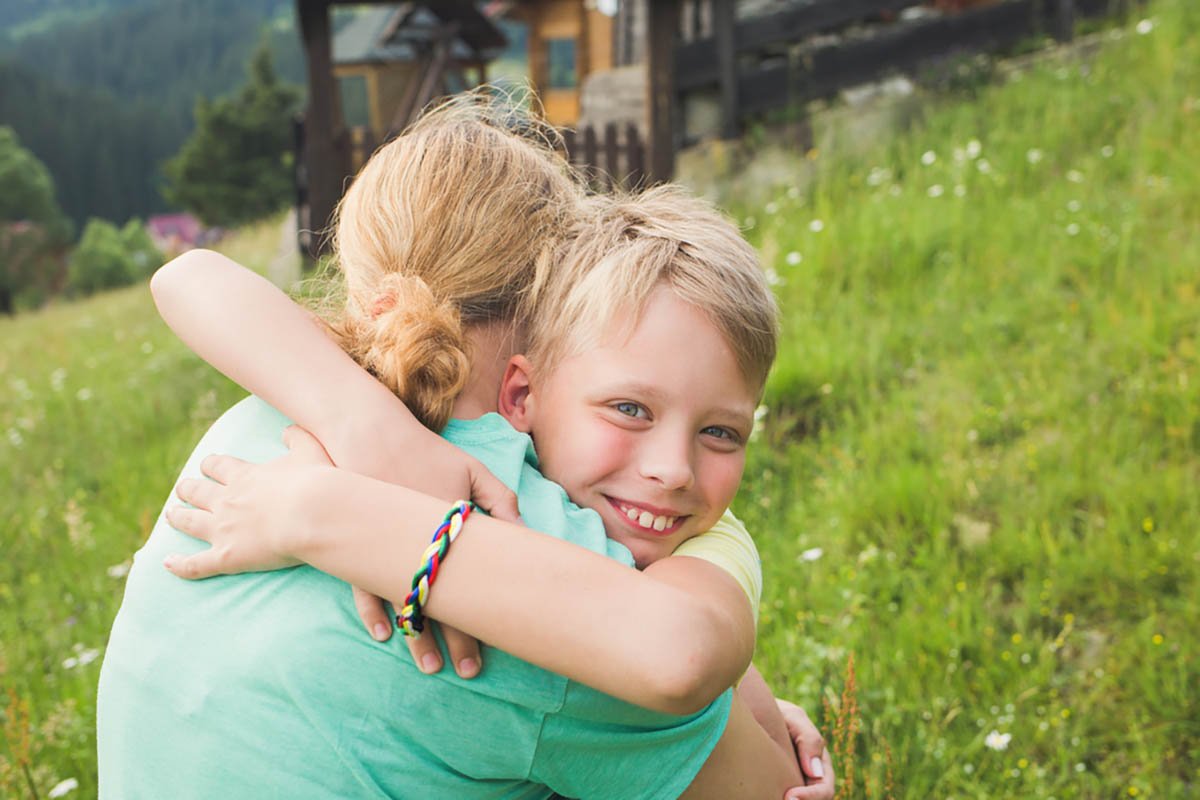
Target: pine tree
{"type": "Point", "coordinates": [237, 165]}
{"type": "Point", "coordinates": [33, 229]}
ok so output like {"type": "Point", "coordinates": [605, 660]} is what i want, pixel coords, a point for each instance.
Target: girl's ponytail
{"type": "Point", "coordinates": [414, 344]}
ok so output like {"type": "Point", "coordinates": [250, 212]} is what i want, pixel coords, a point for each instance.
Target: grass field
{"type": "Point", "coordinates": [978, 473]}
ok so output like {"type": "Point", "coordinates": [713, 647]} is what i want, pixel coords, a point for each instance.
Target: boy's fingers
{"type": "Point", "coordinates": [204, 564]}
{"type": "Point", "coordinates": [193, 522]}
{"type": "Point", "coordinates": [493, 496]}
{"type": "Point", "coordinates": [464, 652]}
{"type": "Point", "coordinates": [222, 469]}
{"type": "Point", "coordinates": [425, 652]}
{"type": "Point", "coordinates": [373, 615]}
{"type": "Point", "coordinates": [199, 493]}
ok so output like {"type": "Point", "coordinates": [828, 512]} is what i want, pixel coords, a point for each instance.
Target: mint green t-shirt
{"type": "Point", "coordinates": [265, 685]}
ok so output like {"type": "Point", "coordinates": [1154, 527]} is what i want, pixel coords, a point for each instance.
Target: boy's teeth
{"type": "Point", "coordinates": [648, 520]}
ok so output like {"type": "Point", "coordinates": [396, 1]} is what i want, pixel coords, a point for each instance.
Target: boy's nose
{"type": "Point", "coordinates": [668, 464]}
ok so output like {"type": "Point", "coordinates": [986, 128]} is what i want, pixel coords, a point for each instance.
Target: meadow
{"type": "Point", "coordinates": [975, 480]}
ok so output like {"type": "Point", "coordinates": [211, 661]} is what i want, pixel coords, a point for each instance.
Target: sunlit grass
{"type": "Point", "coordinates": [986, 415]}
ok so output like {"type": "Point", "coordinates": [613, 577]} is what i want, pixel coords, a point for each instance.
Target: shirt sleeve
{"type": "Point", "coordinates": [598, 748]}
{"type": "Point", "coordinates": [728, 545]}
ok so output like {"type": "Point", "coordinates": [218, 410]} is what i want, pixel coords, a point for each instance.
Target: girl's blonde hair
{"type": "Point", "coordinates": [622, 248]}
{"type": "Point", "coordinates": [451, 223]}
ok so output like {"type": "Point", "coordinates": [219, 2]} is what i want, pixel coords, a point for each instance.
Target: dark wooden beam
{"type": "Point", "coordinates": [326, 162]}
{"type": "Point", "coordinates": [662, 28]}
{"type": "Point", "coordinates": [724, 13]}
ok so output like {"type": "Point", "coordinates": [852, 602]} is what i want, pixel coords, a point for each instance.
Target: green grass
{"type": "Point", "coordinates": [985, 414]}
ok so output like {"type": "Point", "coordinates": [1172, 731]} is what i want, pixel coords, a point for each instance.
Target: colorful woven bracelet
{"type": "Point", "coordinates": [411, 620]}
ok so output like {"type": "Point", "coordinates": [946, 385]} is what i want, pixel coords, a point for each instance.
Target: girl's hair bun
{"type": "Point", "coordinates": [414, 344]}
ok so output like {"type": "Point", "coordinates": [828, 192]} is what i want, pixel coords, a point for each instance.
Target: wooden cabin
{"type": "Point", "coordinates": [568, 40]}
{"type": "Point", "coordinates": [390, 61]}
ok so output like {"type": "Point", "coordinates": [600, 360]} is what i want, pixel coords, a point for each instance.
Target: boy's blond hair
{"type": "Point", "coordinates": [623, 248]}
{"type": "Point", "coordinates": [454, 221]}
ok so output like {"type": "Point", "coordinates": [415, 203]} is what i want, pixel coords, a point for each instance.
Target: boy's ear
{"type": "Point", "coordinates": [516, 402]}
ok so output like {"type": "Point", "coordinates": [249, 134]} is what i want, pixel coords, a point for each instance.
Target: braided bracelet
{"type": "Point", "coordinates": [410, 619]}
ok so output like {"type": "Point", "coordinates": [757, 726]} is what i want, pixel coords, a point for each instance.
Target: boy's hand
{"type": "Point", "coordinates": [810, 752]}
{"type": "Point", "coordinates": [382, 441]}
{"type": "Point", "coordinates": [464, 651]}
{"type": "Point", "coordinates": [240, 509]}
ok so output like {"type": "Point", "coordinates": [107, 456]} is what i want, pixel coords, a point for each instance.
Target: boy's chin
{"type": "Point", "coordinates": [646, 552]}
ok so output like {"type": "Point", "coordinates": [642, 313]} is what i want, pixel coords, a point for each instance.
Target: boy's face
{"type": "Point", "coordinates": [650, 432]}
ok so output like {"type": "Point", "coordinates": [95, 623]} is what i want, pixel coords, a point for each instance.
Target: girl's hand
{"type": "Point", "coordinates": [811, 752]}
{"type": "Point", "coordinates": [243, 511]}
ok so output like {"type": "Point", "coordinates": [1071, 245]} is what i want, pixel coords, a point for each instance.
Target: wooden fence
{"type": "Point", "coordinates": [610, 158]}
{"type": "Point", "coordinates": [777, 61]}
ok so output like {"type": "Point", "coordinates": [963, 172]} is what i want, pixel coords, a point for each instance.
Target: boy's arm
{"type": "Point", "coordinates": [758, 698]}
{"type": "Point", "coordinates": [647, 641]}
{"type": "Point", "coordinates": [746, 763]}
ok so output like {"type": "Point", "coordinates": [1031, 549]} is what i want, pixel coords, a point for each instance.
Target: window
{"type": "Point", "coordinates": [354, 100]}
{"type": "Point", "coordinates": [560, 64]}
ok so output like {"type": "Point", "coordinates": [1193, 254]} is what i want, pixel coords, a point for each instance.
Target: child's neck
{"type": "Point", "coordinates": [490, 344]}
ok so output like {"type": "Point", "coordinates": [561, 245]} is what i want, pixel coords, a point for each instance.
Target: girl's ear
{"type": "Point", "coordinates": [516, 402]}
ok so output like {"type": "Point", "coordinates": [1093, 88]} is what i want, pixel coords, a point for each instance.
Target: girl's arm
{"type": "Point", "coordinates": [647, 641]}
{"type": "Point", "coordinates": [249, 330]}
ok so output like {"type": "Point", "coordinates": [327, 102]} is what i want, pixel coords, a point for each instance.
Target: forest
{"type": "Point", "coordinates": [104, 92]}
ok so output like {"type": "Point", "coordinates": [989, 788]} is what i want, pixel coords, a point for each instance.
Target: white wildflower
{"type": "Point", "coordinates": [974, 148]}
{"type": "Point", "coordinates": [771, 208]}
{"type": "Point", "coordinates": [1073, 229]}
{"type": "Point", "coordinates": [793, 192]}
{"type": "Point", "coordinates": [894, 190]}
{"type": "Point", "coordinates": [1033, 155]}
{"type": "Point", "coordinates": [1107, 151]}
{"type": "Point", "coordinates": [960, 155]}
{"type": "Point", "coordinates": [63, 787]}
{"type": "Point", "coordinates": [816, 226]}
{"type": "Point", "coordinates": [997, 740]}
{"type": "Point", "coordinates": [147, 347]}
{"type": "Point", "coordinates": [749, 222]}
{"type": "Point", "coordinates": [794, 258]}
{"type": "Point", "coordinates": [118, 570]}
{"type": "Point", "coordinates": [878, 176]}
{"type": "Point", "coordinates": [928, 157]}
{"type": "Point", "coordinates": [84, 394]}
{"type": "Point", "coordinates": [960, 191]}
{"type": "Point", "coordinates": [15, 438]}
{"type": "Point", "coordinates": [70, 663]}
{"type": "Point", "coordinates": [812, 554]}
{"type": "Point", "coordinates": [773, 277]}
{"type": "Point", "coordinates": [937, 190]}
{"type": "Point", "coordinates": [1073, 206]}
{"type": "Point", "coordinates": [1075, 176]}
{"type": "Point", "coordinates": [983, 165]}
{"type": "Point", "coordinates": [88, 656]}
{"type": "Point", "coordinates": [57, 379]}
{"type": "Point", "coordinates": [1144, 26]}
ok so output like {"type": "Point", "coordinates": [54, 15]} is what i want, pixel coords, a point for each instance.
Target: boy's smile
{"type": "Point", "coordinates": [648, 429]}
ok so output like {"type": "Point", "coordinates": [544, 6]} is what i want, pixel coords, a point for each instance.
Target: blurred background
{"type": "Point", "coordinates": [974, 480]}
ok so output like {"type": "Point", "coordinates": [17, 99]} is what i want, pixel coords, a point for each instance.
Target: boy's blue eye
{"type": "Point", "coordinates": [629, 409]}
{"type": "Point", "coordinates": [721, 433]}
